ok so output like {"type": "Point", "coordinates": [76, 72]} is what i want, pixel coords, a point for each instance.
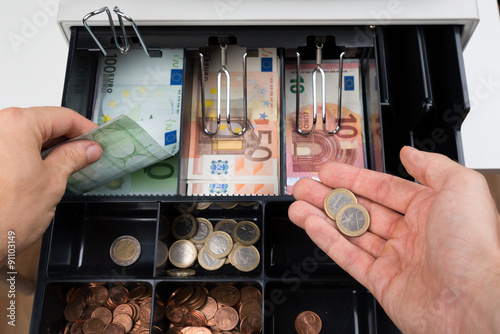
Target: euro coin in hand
{"type": "Point", "coordinates": [353, 220]}
{"type": "Point", "coordinates": [336, 199]}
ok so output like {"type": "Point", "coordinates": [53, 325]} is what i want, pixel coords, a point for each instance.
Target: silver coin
{"type": "Point", "coordinates": [245, 258]}
{"type": "Point", "coordinates": [184, 226]}
{"type": "Point", "coordinates": [183, 253]}
{"type": "Point", "coordinates": [219, 244]}
{"type": "Point", "coordinates": [209, 262]}
{"type": "Point", "coordinates": [226, 225]}
{"type": "Point", "coordinates": [337, 199]}
{"type": "Point", "coordinates": [161, 254]}
{"type": "Point", "coordinates": [353, 220]}
{"type": "Point", "coordinates": [246, 233]}
{"type": "Point", "coordinates": [204, 229]}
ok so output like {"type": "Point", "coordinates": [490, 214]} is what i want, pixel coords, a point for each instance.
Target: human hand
{"type": "Point", "coordinates": [431, 256]}
{"type": "Point", "coordinates": [30, 188]}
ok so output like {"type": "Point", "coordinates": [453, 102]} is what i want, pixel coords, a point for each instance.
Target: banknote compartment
{"type": "Point", "coordinates": [307, 145]}
{"type": "Point", "coordinates": [216, 211]}
{"type": "Point", "coordinates": [166, 290]}
{"type": "Point", "coordinates": [83, 233]}
{"type": "Point", "coordinates": [289, 250]}
{"type": "Point", "coordinates": [57, 295]}
{"type": "Point", "coordinates": [343, 307]}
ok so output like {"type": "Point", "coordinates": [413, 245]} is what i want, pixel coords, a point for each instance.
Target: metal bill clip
{"type": "Point", "coordinates": [126, 45]}
{"type": "Point", "coordinates": [223, 70]}
{"type": "Point", "coordinates": [318, 69]}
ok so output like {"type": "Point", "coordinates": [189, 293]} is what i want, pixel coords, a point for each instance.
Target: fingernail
{"type": "Point", "coordinates": [94, 153]}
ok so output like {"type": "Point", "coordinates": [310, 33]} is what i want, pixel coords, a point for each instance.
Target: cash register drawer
{"type": "Point", "coordinates": [413, 93]}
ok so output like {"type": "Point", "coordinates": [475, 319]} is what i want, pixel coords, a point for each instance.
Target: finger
{"type": "Point", "coordinates": [54, 122]}
{"type": "Point", "coordinates": [383, 220]}
{"type": "Point", "coordinates": [73, 156]}
{"type": "Point", "coordinates": [390, 191]}
{"type": "Point", "coordinates": [348, 256]}
{"type": "Point", "coordinates": [299, 211]}
{"type": "Point", "coordinates": [436, 170]}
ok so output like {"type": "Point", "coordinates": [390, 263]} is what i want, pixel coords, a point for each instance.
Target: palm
{"type": "Point", "coordinates": [410, 261]}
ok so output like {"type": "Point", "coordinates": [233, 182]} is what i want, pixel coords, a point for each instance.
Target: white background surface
{"type": "Point", "coordinates": [33, 56]}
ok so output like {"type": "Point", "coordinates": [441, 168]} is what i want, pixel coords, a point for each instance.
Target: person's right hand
{"type": "Point", "coordinates": [30, 188]}
{"type": "Point", "coordinates": [431, 256]}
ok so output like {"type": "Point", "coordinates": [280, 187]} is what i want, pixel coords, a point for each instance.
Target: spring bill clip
{"type": "Point", "coordinates": [126, 45]}
{"type": "Point", "coordinates": [223, 71]}
{"type": "Point", "coordinates": [318, 69]}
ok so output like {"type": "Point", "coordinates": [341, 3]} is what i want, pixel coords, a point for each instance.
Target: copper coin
{"type": "Point", "coordinates": [209, 308]}
{"type": "Point", "coordinates": [146, 306]}
{"type": "Point", "coordinates": [137, 292]}
{"type": "Point", "coordinates": [98, 295]}
{"type": "Point", "coordinates": [103, 314]}
{"type": "Point", "coordinates": [308, 322]}
{"type": "Point", "coordinates": [93, 326]}
{"type": "Point", "coordinates": [73, 311]}
{"type": "Point", "coordinates": [251, 306]}
{"type": "Point", "coordinates": [76, 328]}
{"type": "Point", "coordinates": [184, 294]}
{"type": "Point", "coordinates": [226, 318]}
{"type": "Point", "coordinates": [113, 329]}
{"type": "Point", "coordinates": [118, 295]}
{"type": "Point", "coordinates": [175, 313]}
{"type": "Point", "coordinates": [174, 330]}
{"type": "Point", "coordinates": [194, 318]}
{"type": "Point", "coordinates": [249, 293]}
{"type": "Point", "coordinates": [251, 323]}
{"type": "Point", "coordinates": [198, 330]}
{"type": "Point", "coordinates": [124, 320]}
{"type": "Point", "coordinates": [124, 309]}
{"type": "Point", "coordinates": [228, 295]}
{"type": "Point", "coordinates": [158, 310]}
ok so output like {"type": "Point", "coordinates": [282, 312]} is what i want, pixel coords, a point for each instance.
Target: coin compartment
{"type": "Point", "coordinates": [164, 291]}
{"type": "Point", "coordinates": [244, 210]}
{"type": "Point", "coordinates": [289, 248]}
{"type": "Point", "coordinates": [82, 234]}
{"type": "Point", "coordinates": [344, 307]}
{"type": "Point", "coordinates": [55, 299]}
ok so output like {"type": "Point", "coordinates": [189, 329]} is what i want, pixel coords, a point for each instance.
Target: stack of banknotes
{"type": "Point", "coordinates": [306, 154]}
{"type": "Point", "coordinates": [225, 164]}
{"type": "Point", "coordinates": [148, 90]}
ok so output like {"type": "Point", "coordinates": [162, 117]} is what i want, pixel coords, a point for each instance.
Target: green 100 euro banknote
{"type": "Point", "coordinates": [148, 90]}
{"type": "Point", "coordinates": [127, 147]}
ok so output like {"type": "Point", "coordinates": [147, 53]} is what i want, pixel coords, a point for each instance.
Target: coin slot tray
{"type": "Point", "coordinates": [164, 291]}
{"type": "Point", "coordinates": [246, 210]}
{"type": "Point", "coordinates": [55, 301]}
{"type": "Point", "coordinates": [289, 248]}
{"type": "Point", "coordinates": [343, 307]}
{"type": "Point", "coordinates": [83, 233]}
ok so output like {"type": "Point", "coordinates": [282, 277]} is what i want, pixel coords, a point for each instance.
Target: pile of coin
{"type": "Point", "coordinates": [193, 309]}
{"type": "Point", "coordinates": [94, 308]}
{"type": "Point", "coordinates": [351, 217]}
{"type": "Point", "coordinates": [229, 242]}
{"type": "Point", "coordinates": [308, 322]}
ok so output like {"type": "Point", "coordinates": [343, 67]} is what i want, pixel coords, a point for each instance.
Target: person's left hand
{"type": "Point", "coordinates": [30, 188]}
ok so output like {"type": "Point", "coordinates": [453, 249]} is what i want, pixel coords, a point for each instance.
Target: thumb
{"type": "Point", "coordinates": [73, 156]}
{"type": "Point", "coordinates": [432, 169]}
